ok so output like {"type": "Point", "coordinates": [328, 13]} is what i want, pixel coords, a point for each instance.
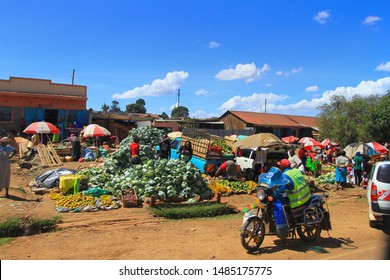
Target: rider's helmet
{"type": "Point", "coordinates": [273, 178]}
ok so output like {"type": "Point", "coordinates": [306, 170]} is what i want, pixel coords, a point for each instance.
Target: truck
{"type": "Point", "coordinates": [246, 159]}
{"type": "Point", "coordinates": [209, 151]}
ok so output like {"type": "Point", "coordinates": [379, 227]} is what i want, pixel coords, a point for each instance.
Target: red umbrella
{"type": "Point", "coordinates": [378, 147]}
{"type": "Point", "coordinates": [312, 144]}
{"type": "Point", "coordinates": [41, 127]}
{"type": "Point", "coordinates": [290, 139]}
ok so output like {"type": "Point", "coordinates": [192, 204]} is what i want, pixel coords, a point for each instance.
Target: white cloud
{"type": "Point", "coordinates": [322, 17]}
{"type": "Point", "coordinates": [246, 72]}
{"type": "Point", "coordinates": [371, 20]}
{"type": "Point", "coordinates": [288, 73]}
{"type": "Point", "coordinates": [168, 85]}
{"type": "Point", "coordinates": [311, 89]}
{"type": "Point", "coordinates": [256, 101]}
{"type": "Point", "coordinates": [383, 67]}
{"type": "Point", "coordinates": [202, 92]}
{"type": "Point", "coordinates": [214, 45]}
{"type": "Point", "coordinates": [203, 115]}
{"type": "Point", "coordinates": [174, 106]}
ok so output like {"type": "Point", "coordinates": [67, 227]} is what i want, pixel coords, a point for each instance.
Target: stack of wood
{"type": "Point", "coordinates": [48, 155]}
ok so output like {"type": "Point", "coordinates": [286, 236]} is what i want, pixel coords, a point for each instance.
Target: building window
{"type": "Point", "coordinates": [5, 114]}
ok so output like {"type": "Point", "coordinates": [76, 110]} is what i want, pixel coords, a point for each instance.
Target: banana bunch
{"type": "Point", "coordinates": [107, 202]}
{"type": "Point", "coordinates": [75, 200]}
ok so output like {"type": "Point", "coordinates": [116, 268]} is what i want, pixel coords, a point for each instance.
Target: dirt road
{"type": "Point", "coordinates": [134, 233]}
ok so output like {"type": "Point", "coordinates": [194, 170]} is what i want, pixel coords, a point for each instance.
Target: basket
{"type": "Point", "coordinates": [130, 198]}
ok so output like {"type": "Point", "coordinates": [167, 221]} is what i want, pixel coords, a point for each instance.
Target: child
{"type": "Point", "coordinates": [350, 176]}
{"type": "Point", "coordinates": [365, 180]}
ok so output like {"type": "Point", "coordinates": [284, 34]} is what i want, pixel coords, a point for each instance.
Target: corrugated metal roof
{"type": "Point", "coordinates": [264, 119]}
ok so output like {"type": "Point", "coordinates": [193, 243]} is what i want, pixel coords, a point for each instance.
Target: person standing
{"type": "Point", "coordinates": [134, 152]}
{"type": "Point", "coordinates": [76, 147]}
{"type": "Point", "coordinates": [357, 168]}
{"type": "Point", "coordinates": [302, 154]}
{"type": "Point", "coordinates": [185, 152]}
{"type": "Point", "coordinates": [6, 151]}
{"type": "Point", "coordinates": [295, 161]}
{"type": "Point", "coordinates": [165, 148]}
{"type": "Point", "coordinates": [341, 170]}
{"type": "Point", "coordinates": [260, 159]}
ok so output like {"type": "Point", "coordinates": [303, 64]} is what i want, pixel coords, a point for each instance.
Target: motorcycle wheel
{"type": "Point", "coordinates": [252, 234]}
{"type": "Point", "coordinates": [309, 233]}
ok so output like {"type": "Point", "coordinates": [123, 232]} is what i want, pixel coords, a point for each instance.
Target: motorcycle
{"type": "Point", "coordinates": [307, 220]}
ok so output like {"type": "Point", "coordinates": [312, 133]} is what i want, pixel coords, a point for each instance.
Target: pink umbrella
{"type": "Point", "coordinates": [41, 127]}
{"type": "Point", "coordinates": [378, 147]}
{"type": "Point", "coordinates": [326, 142]}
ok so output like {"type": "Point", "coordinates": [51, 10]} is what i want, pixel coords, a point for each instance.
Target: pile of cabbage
{"type": "Point", "coordinates": [160, 178]}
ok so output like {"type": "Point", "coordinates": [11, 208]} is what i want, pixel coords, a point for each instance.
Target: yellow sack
{"type": "Point", "coordinates": [218, 188]}
{"type": "Point", "coordinates": [67, 182]}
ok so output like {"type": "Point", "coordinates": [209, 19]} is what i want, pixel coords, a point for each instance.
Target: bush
{"type": "Point", "coordinates": [182, 211]}
{"type": "Point", "coordinates": [13, 227]}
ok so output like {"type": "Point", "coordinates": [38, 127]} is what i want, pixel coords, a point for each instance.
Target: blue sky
{"type": "Point", "coordinates": [282, 56]}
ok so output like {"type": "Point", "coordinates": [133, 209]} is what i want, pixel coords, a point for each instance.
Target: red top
{"type": "Point", "coordinates": [134, 149]}
{"type": "Point", "coordinates": [223, 165]}
{"type": "Point", "coordinates": [301, 153]}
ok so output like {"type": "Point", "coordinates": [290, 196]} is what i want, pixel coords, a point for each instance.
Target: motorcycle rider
{"type": "Point", "coordinates": [290, 182]}
{"type": "Point", "coordinates": [299, 192]}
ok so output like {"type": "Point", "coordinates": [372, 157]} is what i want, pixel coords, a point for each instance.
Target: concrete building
{"type": "Point", "coordinates": [26, 100]}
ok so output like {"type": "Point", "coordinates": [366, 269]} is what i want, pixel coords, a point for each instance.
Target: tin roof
{"type": "Point", "coordinates": [265, 119]}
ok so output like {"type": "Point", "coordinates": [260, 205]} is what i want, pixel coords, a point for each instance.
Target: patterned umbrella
{"type": "Point", "coordinates": [95, 130]}
{"type": "Point", "coordinates": [41, 127]}
{"type": "Point", "coordinates": [378, 147]}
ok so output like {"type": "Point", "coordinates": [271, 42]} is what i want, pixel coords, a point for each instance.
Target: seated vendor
{"type": "Point", "coordinates": [106, 146]}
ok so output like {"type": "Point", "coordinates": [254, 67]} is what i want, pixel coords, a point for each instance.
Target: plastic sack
{"type": "Point", "coordinates": [96, 192]}
{"type": "Point", "coordinates": [50, 178]}
{"type": "Point", "coordinates": [282, 229]}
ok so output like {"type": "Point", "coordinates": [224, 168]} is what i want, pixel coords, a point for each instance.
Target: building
{"type": "Point", "coordinates": [26, 100]}
{"type": "Point", "coordinates": [278, 124]}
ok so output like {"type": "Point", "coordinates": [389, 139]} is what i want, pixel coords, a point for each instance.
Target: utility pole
{"type": "Point", "coordinates": [265, 107]}
{"type": "Point", "coordinates": [178, 97]}
{"type": "Point", "coordinates": [73, 77]}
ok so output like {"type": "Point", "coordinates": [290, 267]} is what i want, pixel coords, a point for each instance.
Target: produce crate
{"type": "Point", "coordinates": [130, 198]}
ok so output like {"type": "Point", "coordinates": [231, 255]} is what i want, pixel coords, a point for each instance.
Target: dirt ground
{"type": "Point", "coordinates": [134, 233]}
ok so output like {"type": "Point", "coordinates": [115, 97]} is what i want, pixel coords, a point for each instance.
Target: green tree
{"type": "Point", "coordinates": [137, 107]}
{"type": "Point", "coordinates": [115, 107]}
{"type": "Point", "coordinates": [378, 120]}
{"type": "Point", "coordinates": [180, 112]}
{"type": "Point", "coordinates": [105, 107]}
{"type": "Point", "coordinates": [346, 121]}
{"type": "Point", "coordinates": [164, 116]}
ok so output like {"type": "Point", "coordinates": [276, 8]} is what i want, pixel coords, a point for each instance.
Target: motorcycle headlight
{"type": "Point", "coordinates": [260, 194]}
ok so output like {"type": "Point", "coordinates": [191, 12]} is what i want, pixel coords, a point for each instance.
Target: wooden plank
{"type": "Point", "coordinates": [54, 154]}
{"type": "Point", "coordinates": [41, 156]}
